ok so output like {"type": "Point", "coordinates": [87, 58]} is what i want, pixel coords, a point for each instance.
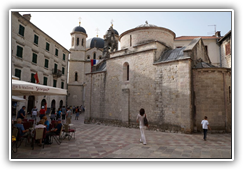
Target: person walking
{"type": "Point", "coordinates": [68, 115]}
{"type": "Point", "coordinates": [205, 127]}
{"type": "Point", "coordinates": [140, 118]}
{"type": "Point", "coordinates": [42, 112]}
{"type": "Point", "coordinates": [64, 112]}
{"type": "Point", "coordinates": [34, 112]}
{"type": "Point", "coordinates": [59, 113]}
{"type": "Point", "coordinates": [53, 114]}
{"type": "Point", "coordinates": [77, 113]}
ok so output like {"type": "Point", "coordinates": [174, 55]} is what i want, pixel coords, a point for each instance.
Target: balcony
{"type": "Point", "coordinates": [56, 73]}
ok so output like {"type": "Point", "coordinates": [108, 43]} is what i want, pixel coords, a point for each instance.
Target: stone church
{"type": "Point", "coordinates": [177, 87]}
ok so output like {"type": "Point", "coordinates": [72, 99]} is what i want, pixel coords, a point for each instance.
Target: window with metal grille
{"type": "Point", "coordinates": [18, 73]}
{"type": "Point", "coordinates": [36, 39]}
{"type": "Point", "coordinates": [34, 58]}
{"type": "Point", "coordinates": [21, 30]}
{"type": "Point", "coordinates": [19, 52]}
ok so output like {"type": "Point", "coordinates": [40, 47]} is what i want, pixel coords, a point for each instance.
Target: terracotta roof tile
{"type": "Point", "coordinates": [192, 37]}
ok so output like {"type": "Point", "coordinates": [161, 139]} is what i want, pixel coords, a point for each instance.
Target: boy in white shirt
{"type": "Point", "coordinates": [205, 126]}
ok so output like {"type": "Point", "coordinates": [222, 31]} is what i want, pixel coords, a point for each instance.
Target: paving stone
{"type": "Point", "coordinates": [98, 141]}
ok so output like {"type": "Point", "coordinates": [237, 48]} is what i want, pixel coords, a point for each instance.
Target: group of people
{"type": "Point", "coordinates": [66, 113]}
{"type": "Point", "coordinates": [43, 123]}
{"type": "Point", "coordinates": [63, 113]}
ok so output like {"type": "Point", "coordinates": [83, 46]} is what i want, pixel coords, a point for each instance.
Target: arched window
{"type": "Point", "coordinates": [82, 42]}
{"type": "Point", "coordinates": [77, 41]}
{"type": "Point", "coordinates": [94, 56]}
{"type": "Point", "coordinates": [88, 57]}
{"type": "Point", "coordinates": [100, 57]}
{"type": "Point", "coordinates": [125, 71]}
{"type": "Point", "coordinates": [76, 76]}
{"type": "Point", "coordinates": [72, 41]}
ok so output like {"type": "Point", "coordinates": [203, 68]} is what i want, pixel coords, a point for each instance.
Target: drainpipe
{"type": "Point", "coordinates": [225, 101]}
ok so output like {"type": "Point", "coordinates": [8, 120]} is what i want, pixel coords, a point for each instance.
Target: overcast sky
{"type": "Point", "coordinates": [58, 24]}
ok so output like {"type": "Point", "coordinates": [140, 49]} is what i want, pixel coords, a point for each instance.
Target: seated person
{"type": "Point", "coordinates": [46, 123]}
{"type": "Point", "coordinates": [54, 131]}
{"type": "Point", "coordinates": [23, 132]}
{"type": "Point", "coordinates": [40, 125]}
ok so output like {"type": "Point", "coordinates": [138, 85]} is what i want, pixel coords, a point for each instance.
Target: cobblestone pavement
{"type": "Point", "coordinates": [99, 141]}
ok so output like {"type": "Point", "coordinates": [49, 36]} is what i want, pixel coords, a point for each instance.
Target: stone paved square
{"type": "Point", "coordinates": [106, 142]}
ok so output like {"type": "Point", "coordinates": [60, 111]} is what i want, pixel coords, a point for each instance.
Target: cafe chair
{"type": "Point", "coordinates": [57, 137]}
{"type": "Point", "coordinates": [39, 134]}
{"type": "Point", "coordinates": [68, 132]}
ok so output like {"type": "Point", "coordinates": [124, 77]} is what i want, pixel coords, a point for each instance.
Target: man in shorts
{"type": "Point", "coordinates": [34, 113]}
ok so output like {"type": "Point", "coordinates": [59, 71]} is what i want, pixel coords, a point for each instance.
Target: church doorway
{"type": "Point", "coordinates": [53, 104]}
{"type": "Point", "coordinates": [43, 103]}
{"type": "Point", "coordinates": [61, 104]}
{"type": "Point", "coordinates": [31, 104]}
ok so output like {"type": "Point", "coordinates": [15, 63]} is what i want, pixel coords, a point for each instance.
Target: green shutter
{"type": "Point", "coordinates": [54, 83]}
{"type": "Point", "coordinates": [47, 46]}
{"type": "Point", "coordinates": [18, 73]}
{"type": "Point", "coordinates": [19, 51]}
{"type": "Point", "coordinates": [63, 70]}
{"type": "Point", "coordinates": [36, 39]}
{"type": "Point", "coordinates": [21, 30]}
{"type": "Point", "coordinates": [32, 78]}
{"type": "Point", "coordinates": [46, 63]}
{"type": "Point", "coordinates": [56, 53]}
{"type": "Point", "coordinates": [45, 81]}
{"type": "Point", "coordinates": [34, 58]}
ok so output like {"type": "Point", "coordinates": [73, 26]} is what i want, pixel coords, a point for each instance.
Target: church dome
{"type": "Point", "coordinates": [116, 32]}
{"type": "Point", "coordinates": [79, 29]}
{"type": "Point", "coordinates": [95, 42]}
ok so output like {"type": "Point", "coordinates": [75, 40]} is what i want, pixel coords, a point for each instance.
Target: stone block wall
{"type": "Point", "coordinates": [212, 98]}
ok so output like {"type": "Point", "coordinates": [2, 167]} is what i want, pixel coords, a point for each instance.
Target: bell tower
{"type": "Point", "coordinates": [76, 66]}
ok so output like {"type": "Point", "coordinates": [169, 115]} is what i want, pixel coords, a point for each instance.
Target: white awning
{"type": "Point", "coordinates": [15, 98]}
{"type": "Point", "coordinates": [25, 88]}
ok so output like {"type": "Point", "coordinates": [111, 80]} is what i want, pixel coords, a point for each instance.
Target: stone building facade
{"type": "Point", "coordinates": [225, 50]}
{"type": "Point", "coordinates": [148, 72]}
{"type": "Point", "coordinates": [33, 51]}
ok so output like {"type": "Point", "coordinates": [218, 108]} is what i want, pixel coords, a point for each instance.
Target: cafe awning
{"type": "Point", "coordinates": [18, 99]}
{"type": "Point", "coordinates": [25, 88]}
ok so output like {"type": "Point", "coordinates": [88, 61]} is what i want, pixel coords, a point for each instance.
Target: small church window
{"type": "Point", "coordinates": [94, 56]}
{"type": "Point", "coordinates": [73, 41]}
{"type": "Point", "coordinates": [130, 40]}
{"type": "Point", "coordinates": [88, 57]}
{"type": "Point", "coordinates": [76, 76]}
{"type": "Point", "coordinates": [77, 41]}
{"type": "Point", "coordinates": [126, 72]}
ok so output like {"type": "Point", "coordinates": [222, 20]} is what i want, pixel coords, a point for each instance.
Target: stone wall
{"type": "Point", "coordinates": [163, 90]}
{"type": "Point", "coordinates": [212, 98]}
{"type": "Point", "coordinates": [173, 96]}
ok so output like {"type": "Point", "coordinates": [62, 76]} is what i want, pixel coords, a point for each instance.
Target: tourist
{"type": "Point", "coordinates": [53, 114]}
{"type": "Point", "coordinates": [23, 132]}
{"type": "Point", "coordinates": [42, 112]}
{"type": "Point", "coordinates": [34, 113]}
{"type": "Point", "coordinates": [55, 131]}
{"type": "Point", "coordinates": [64, 112]}
{"type": "Point", "coordinates": [140, 118]}
{"type": "Point", "coordinates": [205, 127]}
{"type": "Point", "coordinates": [21, 113]}
{"type": "Point", "coordinates": [59, 113]}
{"type": "Point", "coordinates": [46, 123]}
{"type": "Point", "coordinates": [68, 115]}
{"type": "Point", "coordinates": [77, 113]}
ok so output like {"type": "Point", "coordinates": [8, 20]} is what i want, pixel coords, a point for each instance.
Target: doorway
{"type": "Point", "coordinates": [31, 104]}
{"type": "Point", "coordinates": [53, 104]}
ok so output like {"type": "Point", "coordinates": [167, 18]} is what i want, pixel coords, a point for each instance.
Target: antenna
{"type": "Point", "coordinates": [214, 29]}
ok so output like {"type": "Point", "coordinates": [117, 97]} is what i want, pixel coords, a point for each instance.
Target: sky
{"type": "Point", "coordinates": [58, 24]}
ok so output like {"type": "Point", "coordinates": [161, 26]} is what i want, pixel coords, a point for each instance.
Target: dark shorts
{"type": "Point", "coordinates": [63, 117]}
